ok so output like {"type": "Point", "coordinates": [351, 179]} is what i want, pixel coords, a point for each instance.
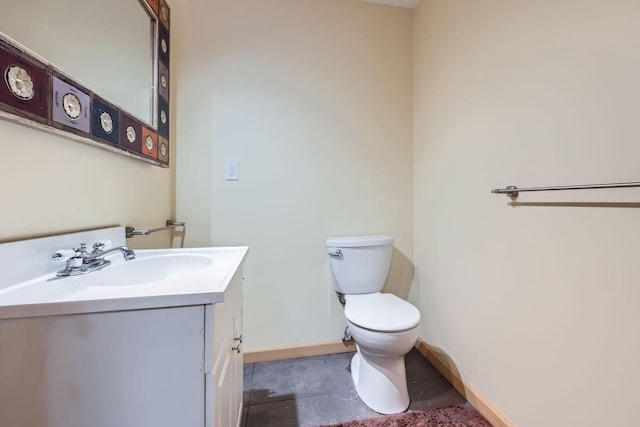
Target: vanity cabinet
{"type": "Point", "coordinates": [160, 367]}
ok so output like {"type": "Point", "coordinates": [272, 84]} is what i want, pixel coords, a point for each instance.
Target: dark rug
{"type": "Point", "coordinates": [450, 416]}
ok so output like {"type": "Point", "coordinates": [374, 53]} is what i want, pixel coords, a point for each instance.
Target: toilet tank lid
{"type": "Point", "coordinates": [359, 241]}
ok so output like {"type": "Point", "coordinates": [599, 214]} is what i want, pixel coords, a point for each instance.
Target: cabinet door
{"type": "Point", "coordinates": [237, 360]}
{"type": "Point", "coordinates": [125, 369]}
{"type": "Point", "coordinates": [238, 357]}
{"type": "Point", "coordinates": [224, 381]}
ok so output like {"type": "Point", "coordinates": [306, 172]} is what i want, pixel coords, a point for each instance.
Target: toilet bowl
{"type": "Point", "coordinates": [383, 326]}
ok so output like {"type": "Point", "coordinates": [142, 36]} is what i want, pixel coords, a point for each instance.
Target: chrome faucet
{"type": "Point", "coordinates": [79, 261]}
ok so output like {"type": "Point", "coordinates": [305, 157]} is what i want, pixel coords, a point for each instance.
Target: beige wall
{"type": "Point", "coordinates": [538, 306]}
{"type": "Point", "coordinates": [313, 97]}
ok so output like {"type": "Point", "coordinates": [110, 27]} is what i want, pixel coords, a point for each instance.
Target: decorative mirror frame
{"type": "Point", "coordinates": [36, 93]}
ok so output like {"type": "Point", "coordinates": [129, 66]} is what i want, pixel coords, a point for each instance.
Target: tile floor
{"type": "Point", "coordinates": [314, 391]}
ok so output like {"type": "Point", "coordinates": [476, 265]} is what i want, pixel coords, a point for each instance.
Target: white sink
{"type": "Point", "coordinates": [155, 278]}
{"type": "Point", "coordinates": [142, 271]}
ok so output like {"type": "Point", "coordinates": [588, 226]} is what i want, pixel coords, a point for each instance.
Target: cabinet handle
{"type": "Point", "coordinates": [239, 345]}
{"type": "Point", "coordinates": [237, 348]}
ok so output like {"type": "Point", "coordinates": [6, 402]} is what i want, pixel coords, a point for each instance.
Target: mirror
{"type": "Point", "coordinates": [92, 70]}
{"type": "Point", "coordinates": [108, 46]}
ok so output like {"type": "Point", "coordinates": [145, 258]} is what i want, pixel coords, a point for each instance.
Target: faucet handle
{"type": "Point", "coordinates": [102, 246]}
{"type": "Point", "coordinates": [63, 255]}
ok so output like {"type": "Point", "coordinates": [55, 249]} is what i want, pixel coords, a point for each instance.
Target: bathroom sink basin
{"type": "Point", "coordinates": [155, 278]}
{"type": "Point", "coordinates": [142, 271]}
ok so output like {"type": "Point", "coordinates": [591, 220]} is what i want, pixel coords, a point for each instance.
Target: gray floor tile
{"type": "Point", "coordinates": [427, 387]}
{"type": "Point", "coordinates": [299, 378]}
{"type": "Point", "coordinates": [315, 391]}
{"type": "Point", "coordinates": [309, 411]}
{"type": "Point", "coordinates": [444, 398]}
{"type": "Point", "coordinates": [247, 380]}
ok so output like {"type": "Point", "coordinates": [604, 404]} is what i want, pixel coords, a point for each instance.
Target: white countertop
{"type": "Point", "coordinates": [48, 295]}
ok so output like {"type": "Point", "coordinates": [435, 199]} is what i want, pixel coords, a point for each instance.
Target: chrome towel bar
{"type": "Point", "coordinates": [513, 191]}
{"type": "Point", "coordinates": [130, 231]}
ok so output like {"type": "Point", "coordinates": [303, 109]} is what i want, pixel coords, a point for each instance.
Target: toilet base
{"type": "Point", "coordinates": [381, 382]}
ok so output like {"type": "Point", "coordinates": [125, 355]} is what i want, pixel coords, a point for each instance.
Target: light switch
{"type": "Point", "coordinates": [231, 171]}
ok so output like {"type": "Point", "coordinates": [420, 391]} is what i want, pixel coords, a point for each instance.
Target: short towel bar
{"type": "Point", "coordinates": [130, 231]}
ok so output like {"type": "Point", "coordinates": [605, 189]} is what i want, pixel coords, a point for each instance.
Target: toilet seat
{"type": "Point", "coordinates": [381, 312]}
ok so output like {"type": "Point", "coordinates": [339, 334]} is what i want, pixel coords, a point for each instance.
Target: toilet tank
{"type": "Point", "coordinates": [360, 264]}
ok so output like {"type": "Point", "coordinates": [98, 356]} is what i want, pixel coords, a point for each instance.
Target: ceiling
{"type": "Point", "coordinates": [401, 3]}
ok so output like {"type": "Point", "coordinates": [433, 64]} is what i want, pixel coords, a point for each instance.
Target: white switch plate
{"type": "Point", "coordinates": [231, 171]}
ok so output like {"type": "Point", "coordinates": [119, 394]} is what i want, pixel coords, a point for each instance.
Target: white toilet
{"type": "Point", "coordinates": [384, 326]}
